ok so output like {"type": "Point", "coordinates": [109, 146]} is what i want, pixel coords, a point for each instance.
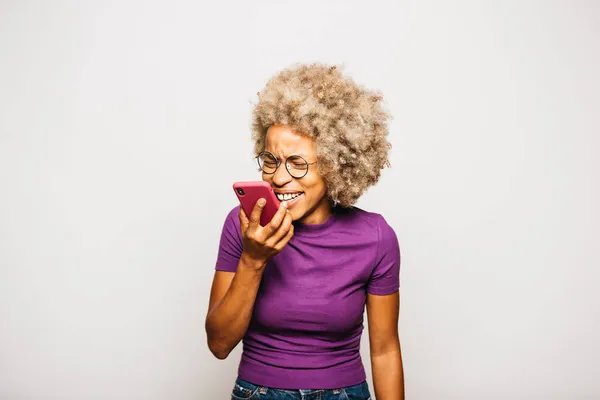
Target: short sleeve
{"type": "Point", "coordinates": [230, 245]}
{"type": "Point", "coordinates": [385, 278]}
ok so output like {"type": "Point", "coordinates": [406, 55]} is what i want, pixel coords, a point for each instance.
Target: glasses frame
{"type": "Point", "coordinates": [308, 164]}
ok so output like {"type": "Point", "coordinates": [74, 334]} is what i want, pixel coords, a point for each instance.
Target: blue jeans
{"type": "Point", "coordinates": [245, 390]}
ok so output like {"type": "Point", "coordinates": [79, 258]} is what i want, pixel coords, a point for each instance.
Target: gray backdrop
{"type": "Point", "coordinates": [124, 124]}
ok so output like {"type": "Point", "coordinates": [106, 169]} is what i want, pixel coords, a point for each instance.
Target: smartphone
{"type": "Point", "coordinates": [248, 194]}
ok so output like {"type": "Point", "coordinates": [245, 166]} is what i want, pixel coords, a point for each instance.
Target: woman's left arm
{"type": "Point", "coordinates": [386, 356]}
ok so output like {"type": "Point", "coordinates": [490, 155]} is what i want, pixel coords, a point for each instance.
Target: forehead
{"type": "Point", "coordinates": [283, 141]}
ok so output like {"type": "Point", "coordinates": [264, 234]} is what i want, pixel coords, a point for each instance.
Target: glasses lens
{"type": "Point", "coordinates": [267, 162]}
{"type": "Point", "coordinates": [297, 166]}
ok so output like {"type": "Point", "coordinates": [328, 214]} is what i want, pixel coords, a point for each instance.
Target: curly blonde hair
{"type": "Point", "coordinates": [346, 121]}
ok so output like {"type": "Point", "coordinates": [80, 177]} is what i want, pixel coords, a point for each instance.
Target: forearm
{"type": "Point", "coordinates": [227, 322]}
{"type": "Point", "coordinates": [388, 375]}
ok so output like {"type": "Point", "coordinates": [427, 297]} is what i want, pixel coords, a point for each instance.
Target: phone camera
{"type": "Point", "coordinates": [240, 191]}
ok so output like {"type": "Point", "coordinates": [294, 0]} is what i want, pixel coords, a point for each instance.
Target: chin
{"type": "Point", "coordinates": [293, 214]}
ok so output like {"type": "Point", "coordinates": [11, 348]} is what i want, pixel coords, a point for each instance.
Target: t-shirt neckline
{"type": "Point", "coordinates": [310, 229]}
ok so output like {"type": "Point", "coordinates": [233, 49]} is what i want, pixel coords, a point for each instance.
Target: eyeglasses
{"type": "Point", "coordinates": [296, 166]}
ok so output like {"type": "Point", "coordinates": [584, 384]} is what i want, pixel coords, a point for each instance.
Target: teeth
{"type": "Point", "coordinates": [287, 196]}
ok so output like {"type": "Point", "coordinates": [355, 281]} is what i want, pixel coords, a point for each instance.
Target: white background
{"type": "Point", "coordinates": [124, 124]}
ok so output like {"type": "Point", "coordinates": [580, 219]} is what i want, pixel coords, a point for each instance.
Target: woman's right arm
{"type": "Point", "coordinates": [231, 303]}
{"type": "Point", "coordinates": [233, 293]}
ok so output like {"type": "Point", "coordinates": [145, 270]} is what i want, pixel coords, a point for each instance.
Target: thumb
{"type": "Point", "coordinates": [257, 211]}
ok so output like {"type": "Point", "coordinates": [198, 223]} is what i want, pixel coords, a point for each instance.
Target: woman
{"type": "Point", "coordinates": [295, 290]}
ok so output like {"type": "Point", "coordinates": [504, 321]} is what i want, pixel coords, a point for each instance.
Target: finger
{"type": "Point", "coordinates": [275, 222]}
{"type": "Point", "coordinates": [285, 240]}
{"type": "Point", "coordinates": [257, 211]}
{"type": "Point", "coordinates": [283, 229]}
{"type": "Point", "coordinates": [243, 219]}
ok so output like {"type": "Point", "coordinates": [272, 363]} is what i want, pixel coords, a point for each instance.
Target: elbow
{"type": "Point", "coordinates": [218, 351]}
{"type": "Point", "coordinates": [218, 345]}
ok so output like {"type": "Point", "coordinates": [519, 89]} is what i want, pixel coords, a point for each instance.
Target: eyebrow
{"type": "Point", "coordinates": [297, 154]}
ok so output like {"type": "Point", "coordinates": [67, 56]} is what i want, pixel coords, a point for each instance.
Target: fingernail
{"type": "Point", "coordinates": [261, 202]}
{"type": "Point", "coordinates": [284, 204]}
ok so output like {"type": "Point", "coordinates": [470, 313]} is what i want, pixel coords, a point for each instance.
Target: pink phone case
{"type": "Point", "coordinates": [248, 194]}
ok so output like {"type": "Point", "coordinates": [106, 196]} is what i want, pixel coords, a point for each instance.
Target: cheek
{"type": "Point", "coordinates": [316, 188]}
{"type": "Point", "coordinates": [266, 177]}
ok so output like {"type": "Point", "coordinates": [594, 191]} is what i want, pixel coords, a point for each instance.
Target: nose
{"type": "Point", "coordinates": [281, 176]}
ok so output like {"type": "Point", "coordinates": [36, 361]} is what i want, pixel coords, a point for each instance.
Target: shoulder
{"type": "Point", "coordinates": [365, 218]}
{"type": "Point", "coordinates": [370, 221]}
{"type": "Point", "coordinates": [232, 220]}
{"type": "Point", "coordinates": [234, 213]}
{"type": "Point", "coordinates": [231, 243]}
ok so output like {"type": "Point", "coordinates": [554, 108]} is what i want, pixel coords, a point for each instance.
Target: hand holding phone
{"type": "Point", "coordinates": [249, 193]}
{"type": "Point", "coordinates": [266, 228]}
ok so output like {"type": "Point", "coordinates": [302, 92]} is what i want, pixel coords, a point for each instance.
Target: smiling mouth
{"type": "Point", "coordinates": [288, 197]}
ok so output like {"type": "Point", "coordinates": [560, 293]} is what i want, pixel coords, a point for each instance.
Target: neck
{"type": "Point", "coordinates": [319, 214]}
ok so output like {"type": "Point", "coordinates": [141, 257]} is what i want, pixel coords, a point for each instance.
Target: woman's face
{"type": "Point", "coordinates": [312, 206]}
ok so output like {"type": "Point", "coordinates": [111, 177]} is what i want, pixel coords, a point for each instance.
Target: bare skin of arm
{"type": "Point", "coordinates": [233, 294]}
{"type": "Point", "coordinates": [231, 303]}
{"type": "Point", "coordinates": [386, 355]}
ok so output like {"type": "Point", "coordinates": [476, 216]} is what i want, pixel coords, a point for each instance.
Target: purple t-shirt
{"type": "Point", "coordinates": [308, 316]}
